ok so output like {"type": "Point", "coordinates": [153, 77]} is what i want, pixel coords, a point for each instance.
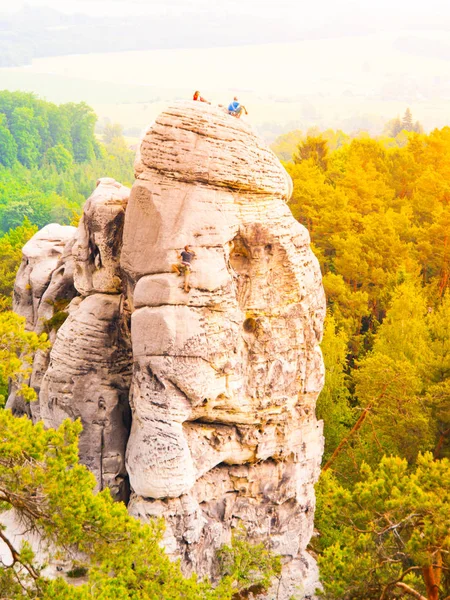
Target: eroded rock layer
{"type": "Point", "coordinates": [225, 377]}
{"type": "Point", "coordinates": [45, 275]}
{"type": "Point", "coordinates": [203, 402]}
{"type": "Point", "coordinates": [88, 378]}
{"type": "Point", "coordinates": [44, 278]}
{"type": "Point", "coordinates": [87, 373]}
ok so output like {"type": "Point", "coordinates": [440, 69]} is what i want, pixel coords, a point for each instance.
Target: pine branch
{"type": "Point", "coordinates": [356, 426]}
{"type": "Point", "coordinates": [345, 441]}
{"type": "Point", "coordinates": [410, 591]}
{"type": "Point", "coordinates": [16, 558]}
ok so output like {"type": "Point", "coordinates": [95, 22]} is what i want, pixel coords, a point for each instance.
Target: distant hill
{"type": "Point", "coordinates": [36, 32]}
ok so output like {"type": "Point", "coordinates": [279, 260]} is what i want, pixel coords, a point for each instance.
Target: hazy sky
{"type": "Point", "coordinates": [362, 14]}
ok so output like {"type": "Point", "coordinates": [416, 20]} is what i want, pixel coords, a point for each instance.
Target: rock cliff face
{"type": "Point", "coordinates": [219, 384]}
{"type": "Point", "coordinates": [45, 275]}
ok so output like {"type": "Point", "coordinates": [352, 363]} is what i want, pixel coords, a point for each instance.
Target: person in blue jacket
{"type": "Point", "coordinates": [235, 108]}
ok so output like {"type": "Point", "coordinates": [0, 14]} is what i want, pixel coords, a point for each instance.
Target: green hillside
{"type": "Point", "coordinates": [50, 160]}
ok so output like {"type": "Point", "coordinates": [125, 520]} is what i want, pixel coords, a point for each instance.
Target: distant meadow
{"type": "Point", "coordinates": [354, 82]}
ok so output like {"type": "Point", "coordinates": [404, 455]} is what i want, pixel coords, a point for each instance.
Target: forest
{"type": "Point", "coordinates": [379, 218]}
{"type": "Point", "coordinates": [378, 213]}
{"type": "Point", "coordinates": [50, 158]}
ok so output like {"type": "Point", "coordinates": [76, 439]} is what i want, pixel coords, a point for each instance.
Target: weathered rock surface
{"type": "Point", "coordinates": [88, 378]}
{"type": "Point", "coordinates": [87, 373]}
{"type": "Point", "coordinates": [99, 238]}
{"type": "Point", "coordinates": [225, 378]}
{"type": "Point", "coordinates": [220, 383]}
{"type": "Point", "coordinates": [45, 277]}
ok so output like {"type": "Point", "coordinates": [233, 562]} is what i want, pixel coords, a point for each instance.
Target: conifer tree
{"type": "Point", "coordinates": [314, 148]}
{"type": "Point", "coordinates": [52, 496]}
{"type": "Point", "coordinates": [393, 127]}
{"type": "Point", "coordinates": [407, 121]}
{"type": "Point", "coordinates": [388, 536]}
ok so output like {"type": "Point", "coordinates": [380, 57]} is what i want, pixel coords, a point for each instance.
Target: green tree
{"type": "Point", "coordinates": [60, 157]}
{"type": "Point", "coordinates": [112, 131]}
{"type": "Point", "coordinates": [13, 214]}
{"type": "Point", "coordinates": [8, 146]}
{"type": "Point", "coordinates": [389, 391]}
{"type": "Point", "coordinates": [50, 183]}
{"type": "Point", "coordinates": [389, 387]}
{"type": "Point", "coordinates": [333, 403]}
{"type": "Point", "coordinates": [26, 134]}
{"type": "Point", "coordinates": [285, 145]}
{"type": "Point", "coordinates": [11, 245]}
{"type": "Point", "coordinates": [314, 148]}
{"type": "Point", "coordinates": [407, 121]}
{"type": "Point", "coordinates": [348, 306]}
{"type": "Point", "coordinates": [251, 567]}
{"type": "Point", "coordinates": [438, 399]}
{"type": "Point", "coordinates": [82, 122]}
{"type": "Point", "coordinates": [437, 372]}
{"type": "Point", "coordinates": [17, 348]}
{"type": "Point", "coordinates": [52, 495]}
{"type": "Point", "coordinates": [393, 127]}
{"type": "Point", "coordinates": [388, 536]}
{"type": "Point", "coordinates": [59, 127]}
{"type": "Point", "coordinates": [404, 333]}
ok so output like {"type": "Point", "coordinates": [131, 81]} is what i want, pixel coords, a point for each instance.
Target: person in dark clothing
{"type": "Point", "coordinates": [185, 266]}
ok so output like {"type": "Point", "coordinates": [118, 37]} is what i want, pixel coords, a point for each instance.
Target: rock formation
{"type": "Point", "coordinates": [87, 374]}
{"type": "Point", "coordinates": [221, 382]}
{"type": "Point", "coordinates": [45, 275]}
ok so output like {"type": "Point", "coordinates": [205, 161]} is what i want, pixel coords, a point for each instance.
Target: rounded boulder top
{"type": "Point", "coordinates": [201, 143]}
{"type": "Point", "coordinates": [50, 240]}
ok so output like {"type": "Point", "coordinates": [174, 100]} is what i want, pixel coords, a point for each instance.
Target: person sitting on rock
{"type": "Point", "coordinates": [199, 98]}
{"type": "Point", "coordinates": [185, 266]}
{"type": "Point", "coordinates": [235, 108]}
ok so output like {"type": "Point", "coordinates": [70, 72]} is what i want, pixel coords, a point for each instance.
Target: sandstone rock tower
{"type": "Point", "coordinates": [219, 384]}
